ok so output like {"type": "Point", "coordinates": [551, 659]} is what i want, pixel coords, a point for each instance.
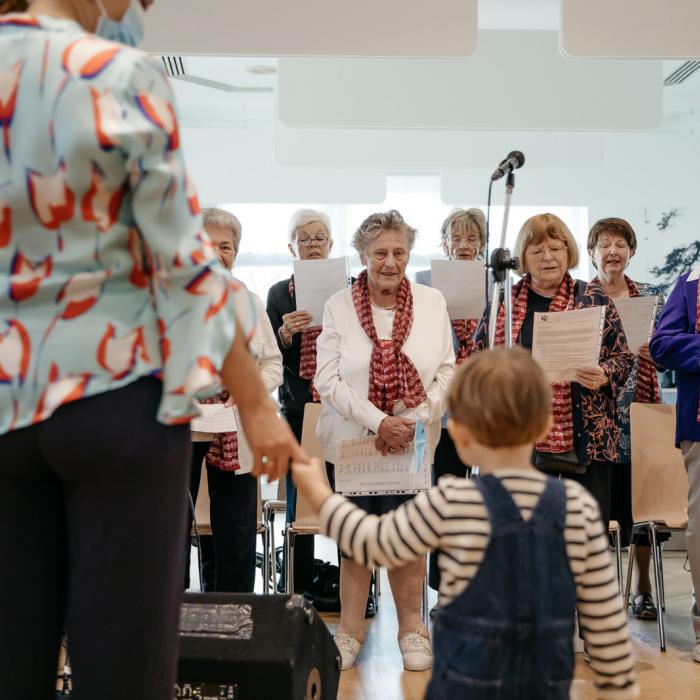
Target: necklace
{"type": "Point", "coordinates": [383, 308]}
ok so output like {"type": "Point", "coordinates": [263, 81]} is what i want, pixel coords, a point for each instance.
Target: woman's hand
{"type": "Point", "coordinates": [396, 434]}
{"type": "Point", "coordinates": [644, 353]}
{"type": "Point", "coordinates": [385, 448]}
{"type": "Point", "coordinates": [270, 438]}
{"type": "Point", "coordinates": [295, 322]}
{"type": "Point", "coordinates": [310, 479]}
{"type": "Point", "coordinates": [591, 377]}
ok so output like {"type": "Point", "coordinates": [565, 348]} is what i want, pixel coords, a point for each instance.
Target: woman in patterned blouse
{"type": "Point", "coordinates": [585, 427]}
{"type": "Point", "coordinates": [114, 315]}
{"type": "Point", "coordinates": [612, 244]}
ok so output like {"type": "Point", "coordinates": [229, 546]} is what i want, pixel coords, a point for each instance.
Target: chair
{"type": "Point", "coordinates": [202, 525]}
{"type": "Point", "coordinates": [270, 508]}
{"type": "Point", "coordinates": [659, 489]}
{"type": "Point", "coordinates": [306, 522]}
{"type": "Point", "coordinates": [615, 535]}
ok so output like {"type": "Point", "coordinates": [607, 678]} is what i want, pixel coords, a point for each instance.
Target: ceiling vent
{"type": "Point", "coordinates": [682, 73]}
{"type": "Point", "coordinates": [175, 68]}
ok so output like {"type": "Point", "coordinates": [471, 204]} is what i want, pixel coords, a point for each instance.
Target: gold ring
{"type": "Point", "coordinates": [264, 460]}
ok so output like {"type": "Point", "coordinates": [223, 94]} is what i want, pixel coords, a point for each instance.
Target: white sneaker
{"type": "Point", "coordinates": [696, 651]}
{"type": "Point", "coordinates": [349, 648]}
{"type": "Point", "coordinates": [416, 651]}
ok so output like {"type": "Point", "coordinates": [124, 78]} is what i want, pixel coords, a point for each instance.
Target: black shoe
{"type": "Point", "coordinates": [371, 609]}
{"type": "Point", "coordinates": [643, 607]}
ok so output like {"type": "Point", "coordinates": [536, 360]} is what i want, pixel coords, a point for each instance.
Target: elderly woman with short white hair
{"type": "Point", "coordinates": [309, 239]}
{"type": "Point", "coordinates": [228, 556]}
{"type": "Point", "coordinates": [385, 359]}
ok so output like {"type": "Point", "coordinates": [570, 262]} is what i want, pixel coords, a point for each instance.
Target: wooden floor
{"type": "Point", "coordinates": [673, 675]}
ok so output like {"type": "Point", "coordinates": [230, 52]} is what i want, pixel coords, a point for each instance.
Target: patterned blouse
{"type": "Point", "coordinates": [597, 434]}
{"type": "Point", "coordinates": [105, 273]}
{"type": "Point", "coordinates": [628, 394]}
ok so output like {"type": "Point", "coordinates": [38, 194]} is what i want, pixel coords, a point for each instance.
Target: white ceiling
{"type": "Point", "coordinates": [329, 162]}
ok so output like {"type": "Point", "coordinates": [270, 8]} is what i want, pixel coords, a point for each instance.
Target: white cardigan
{"type": "Point", "coordinates": [269, 358]}
{"type": "Point", "coordinates": [342, 374]}
{"type": "Point", "coordinates": [267, 353]}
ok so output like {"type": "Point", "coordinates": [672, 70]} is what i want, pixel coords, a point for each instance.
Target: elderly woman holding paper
{"type": "Point", "coordinates": [462, 238]}
{"type": "Point", "coordinates": [228, 556]}
{"type": "Point", "coordinates": [309, 239]}
{"type": "Point", "coordinates": [612, 243]}
{"type": "Point", "coordinates": [584, 441]}
{"type": "Point", "coordinates": [385, 358]}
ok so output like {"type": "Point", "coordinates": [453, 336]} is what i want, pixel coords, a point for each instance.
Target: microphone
{"type": "Point", "coordinates": [515, 159]}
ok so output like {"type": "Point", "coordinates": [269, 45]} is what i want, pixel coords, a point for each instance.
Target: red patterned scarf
{"type": "Point", "coordinates": [392, 375]}
{"type": "Point", "coordinates": [307, 361]}
{"type": "Point", "coordinates": [647, 381]}
{"type": "Point", "coordinates": [561, 438]}
{"type": "Point", "coordinates": [223, 451]}
{"type": "Point", "coordinates": [464, 330]}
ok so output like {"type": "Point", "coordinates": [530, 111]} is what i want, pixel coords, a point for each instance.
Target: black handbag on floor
{"type": "Point", "coordinates": [562, 463]}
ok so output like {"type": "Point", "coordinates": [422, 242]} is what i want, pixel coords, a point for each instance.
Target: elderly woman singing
{"type": "Point", "coordinates": [309, 239]}
{"type": "Point", "coordinates": [585, 435]}
{"type": "Point", "coordinates": [612, 243]}
{"type": "Point", "coordinates": [385, 358]}
{"type": "Point", "coordinates": [462, 237]}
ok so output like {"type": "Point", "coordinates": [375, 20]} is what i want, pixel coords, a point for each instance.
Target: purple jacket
{"type": "Point", "coordinates": [676, 346]}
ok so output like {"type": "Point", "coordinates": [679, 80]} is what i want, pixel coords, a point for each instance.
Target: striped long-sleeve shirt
{"type": "Point", "coordinates": [452, 517]}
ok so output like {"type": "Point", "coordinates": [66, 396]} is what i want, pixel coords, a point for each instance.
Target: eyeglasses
{"type": "Point", "coordinates": [470, 240]}
{"type": "Point", "coordinates": [307, 241]}
{"type": "Point", "coordinates": [538, 253]}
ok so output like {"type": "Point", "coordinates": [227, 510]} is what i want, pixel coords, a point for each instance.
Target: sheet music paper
{"type": "Point", "coordinates": [215, 418]}
{"type": "Point", "coordinates": [361, 470]}
{"type": "Point", "coordinates": [462, 284]}
{"type": "Point", "coordinates": [316, 281]}
{"type": "Point", "coordinates": [637, 315]}
{"type": "Point", "coordinates": [565, 341]}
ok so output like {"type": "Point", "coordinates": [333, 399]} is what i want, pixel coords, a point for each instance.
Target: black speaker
{"type": "Point", "coordinates": [241, 646]}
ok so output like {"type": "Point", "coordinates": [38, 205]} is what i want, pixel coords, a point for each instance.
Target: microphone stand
{"type": "Point", "coordinates": [501, 265]}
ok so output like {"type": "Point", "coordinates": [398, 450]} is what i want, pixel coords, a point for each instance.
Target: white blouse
{"type": "Point", "coordinates": [269, 358]}
{"type": "Point", "coordinates": [343, 357]}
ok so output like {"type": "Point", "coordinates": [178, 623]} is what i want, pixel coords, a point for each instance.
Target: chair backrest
{"type": "Point", "coordinates": [202, 507]}
{"type": "Point", "coordinates": [305, 516]}
{"type": "Point", "coordinates": [659, 478]}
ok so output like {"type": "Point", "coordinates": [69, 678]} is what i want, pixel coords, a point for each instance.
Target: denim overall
{"type": "Point", "coordinates": [509, 635]}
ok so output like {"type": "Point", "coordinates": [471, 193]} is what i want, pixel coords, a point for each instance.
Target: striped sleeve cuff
{"type": "Point", "coordinates": [328, 509]}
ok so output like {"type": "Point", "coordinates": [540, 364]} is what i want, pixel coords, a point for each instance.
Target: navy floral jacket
{"type": "Point", "coordinates": [597, 433]}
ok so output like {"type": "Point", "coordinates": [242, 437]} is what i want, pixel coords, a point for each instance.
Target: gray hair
{"type": "Point", "coordinates": [223, 219]}
{"type": "Point", "coordinates": [374, 224]}
{"type": "Point", "coordinates": [304, 217]}
{"type": "Point", "coordinates": [463, 220]}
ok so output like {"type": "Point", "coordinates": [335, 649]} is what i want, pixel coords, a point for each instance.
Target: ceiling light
{"type": "Point", "coordinates": [262, 69]}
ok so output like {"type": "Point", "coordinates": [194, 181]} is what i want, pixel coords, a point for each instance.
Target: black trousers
{"type": "Point", "coordinates": [446, 462]}
{"type": "Point", "coordinates": [303, 546]}
{"type": "Point", "coordinates": [598, 480]}
{"type": "Point", "coordinates": [92, 499]}
{"type": "Point", "coordinates": [228, 555]}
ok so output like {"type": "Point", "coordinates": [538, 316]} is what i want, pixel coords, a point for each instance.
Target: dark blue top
{"type": "Point", "coordinates": [676, 346]}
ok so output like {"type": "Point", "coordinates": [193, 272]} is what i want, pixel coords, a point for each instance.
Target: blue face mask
{"type": "Point", "coordinates": [129, 30]}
